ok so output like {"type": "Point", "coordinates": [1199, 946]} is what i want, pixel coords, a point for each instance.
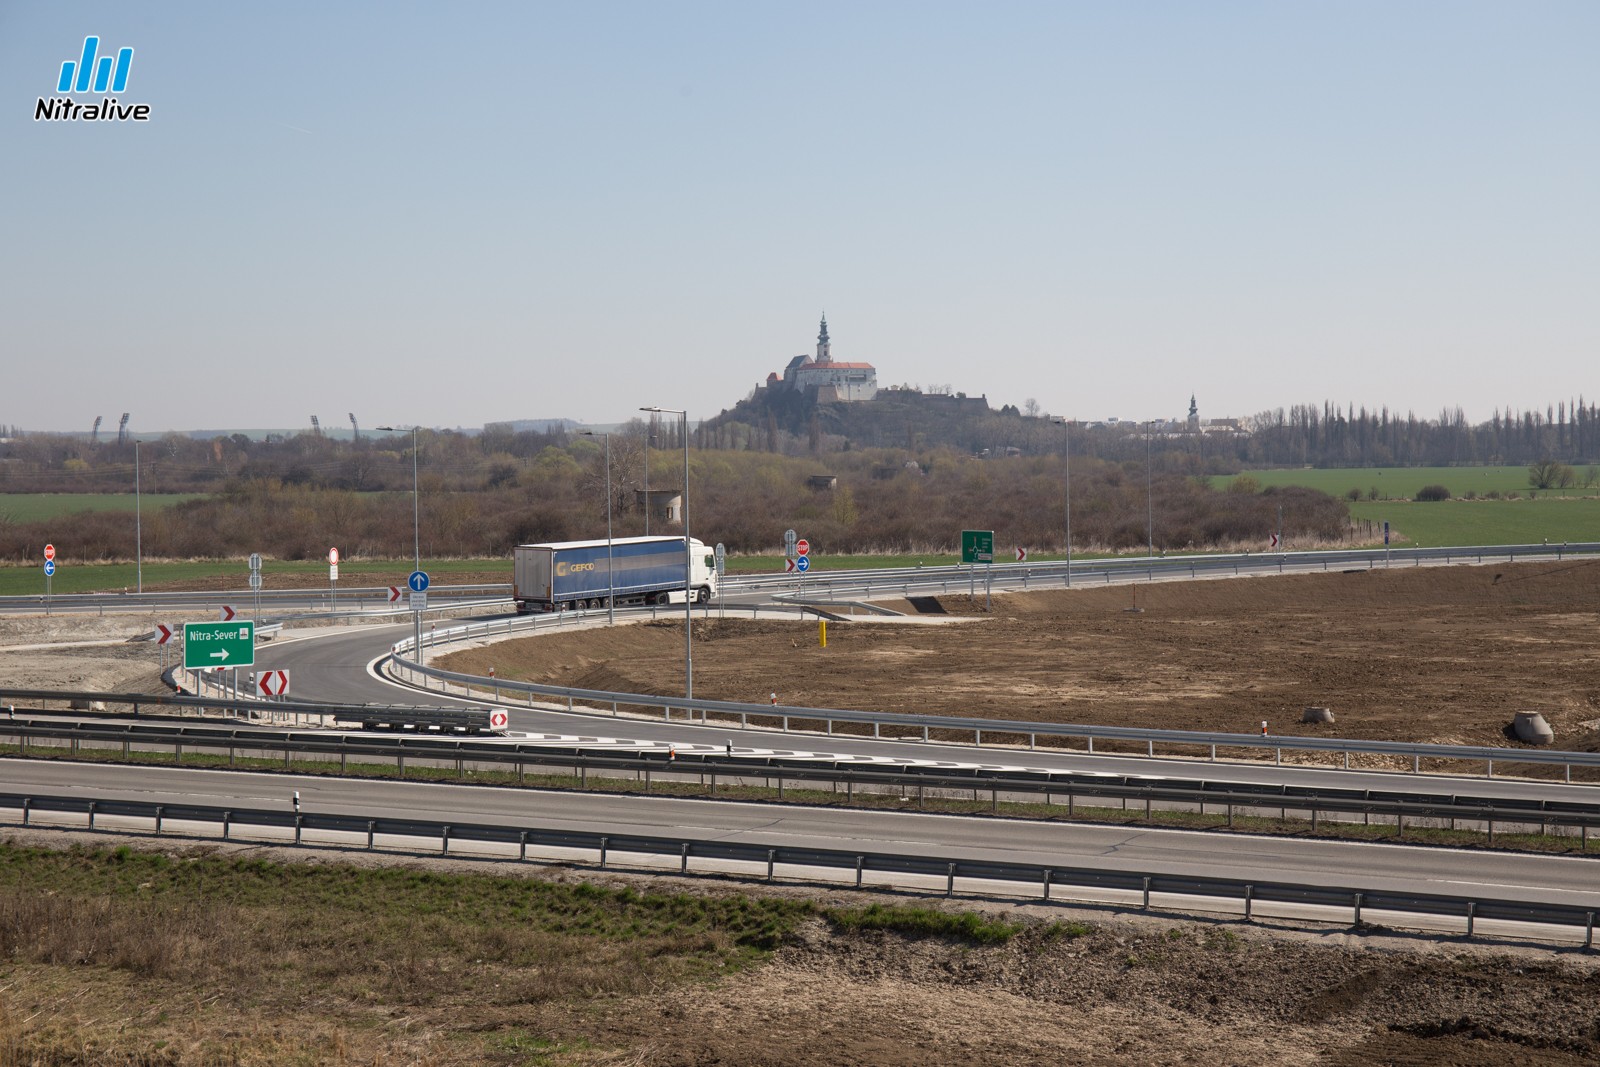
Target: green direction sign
{"type": "Point", "coordinates": [219, 644]}
{"type": "Point", "coordinates": [977, 546]}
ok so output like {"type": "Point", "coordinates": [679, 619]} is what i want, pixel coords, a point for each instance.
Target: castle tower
{"type": "Point", "coordinates": [824, 348]}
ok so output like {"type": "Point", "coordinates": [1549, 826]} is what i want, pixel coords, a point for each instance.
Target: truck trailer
{"type": "Point", "coordinates": [643, 570]}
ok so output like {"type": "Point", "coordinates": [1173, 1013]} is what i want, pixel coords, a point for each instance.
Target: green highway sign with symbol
{"type": "Point", "coordinates": [977, 546]}
{"type": "Point", "coordinates": [219, 644]}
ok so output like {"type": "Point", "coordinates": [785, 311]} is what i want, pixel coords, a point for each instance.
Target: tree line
{"type": "Point", "coordinates": [479, 500]}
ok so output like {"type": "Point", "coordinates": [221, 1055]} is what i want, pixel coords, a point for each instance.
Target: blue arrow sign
{"type": "Point", "coordinates": [49, 567]}
{"type": "Point", "coordinates": [802, 564]}
{"type": "Point", "coordinates": [418, 581]}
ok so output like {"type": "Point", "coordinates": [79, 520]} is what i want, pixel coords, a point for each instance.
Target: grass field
{"type": "Point", "coordinates": [1398, 482]}
{"type": "Point", "coordinates": [1487, 522]}
{"type": "Point", "coordinates": [113, 577]}
{"type": "Point", "coordinates": [37, 507]}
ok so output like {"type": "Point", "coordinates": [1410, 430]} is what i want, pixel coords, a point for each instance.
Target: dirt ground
{"type": "Point", "coordinates": [1102, 988]}
{"type": "Point", "coordinates": [1445, 654]}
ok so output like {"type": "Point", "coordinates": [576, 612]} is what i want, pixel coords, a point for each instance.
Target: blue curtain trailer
{"type": "Point", "coordinates": [643, 570]}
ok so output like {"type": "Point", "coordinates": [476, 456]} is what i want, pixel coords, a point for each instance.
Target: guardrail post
{"type": "Point", "coordinates": [91, 815]}
{"type": "Point", "coordinates": [1472, 909]}
{"type": "Point", "coordinates": [286, 759]}
{"type": "Point", "coordinates": [522, 848]}
{"type": "Point", "coordinates": [1150, 747]}
{"type": "Point", "coordinates": [861, 862]}
{"type": "Point", "coordinates": [1091, 744]}
{"type": "Point", "coordinates": [772, 860]}
{"type": "Point", "coordinates": [1399, 824]}
{"type": "Point", "coordinates": [1491, 832]}
{"type": "Point", "coordinates": [1146, 904]}
{"type": "Point", "coordinates": [444, 841]}
{"type": "Point", "coordinates": [1357, 921]}
{"type": "Point", "coordinates": [1046, 895]}
{"type": "Point", "coordinates": [372, 833]}
{"type": "Point", "coordinates": [1213, 753]}
{"type": "Point", "coordinates": [1313, 820]}
{"type": "Point", "coordinates": [978, 738]}
{"type": "Point", "coordinates": [1230, 815]}
{"type": "Point", "coordinates": [1490, 773]}
{"type": "Point", "coordinates": [124, 748]}
{"type": "Point", "coordinates": [230, 754]}
{"type": "Point", "coordinates": [159, 812]}
{"type": "Point", "coordinates": [1249, 902]}
{"type": "Point", "coordinates": [683, 862]}
{"type": "Point", "coordinates": [950, 881]}
{"type": "Point", "coordinates": [605, 847]}
{"type": "Point", "coordinates": [27, 812]}
{"type": "Point", "coordinates": [400, 765]}
{"type": "Point", "coordinates": [1588, 932]}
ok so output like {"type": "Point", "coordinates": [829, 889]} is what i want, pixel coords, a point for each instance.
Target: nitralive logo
{"type": "Point", "coordinates": [92, 73]}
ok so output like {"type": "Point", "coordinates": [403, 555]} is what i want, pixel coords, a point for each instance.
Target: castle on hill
{"type": "Point", "coordinates": [822, 379]}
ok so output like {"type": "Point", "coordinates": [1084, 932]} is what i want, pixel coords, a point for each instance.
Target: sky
{"type": "Point", "coordinates": [448, 215]}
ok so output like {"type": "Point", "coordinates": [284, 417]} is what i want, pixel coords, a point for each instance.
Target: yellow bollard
{"type": "Point", "coordinates": [822, 631]}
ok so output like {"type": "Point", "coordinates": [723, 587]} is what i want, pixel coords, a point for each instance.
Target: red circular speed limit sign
{"type": "Point", "coordinates": [333, 556]}
{"type": "Point", "coordinates": [49, 551]}
{"type": "Point", "coordinates": [802, 547]}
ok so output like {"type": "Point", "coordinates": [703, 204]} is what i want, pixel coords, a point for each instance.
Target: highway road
{"type": "Point", "coordinates": [1520, 876]}
{"type": "Point", "coordinates": [334, 666]}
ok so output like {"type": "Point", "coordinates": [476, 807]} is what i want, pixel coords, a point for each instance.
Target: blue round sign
{"type": "Point", "coordinates": [802, 564]}
{"type": "Point", "coordinates": [418, 581]}
{"type": "Point", "coordinates": [49, 567]}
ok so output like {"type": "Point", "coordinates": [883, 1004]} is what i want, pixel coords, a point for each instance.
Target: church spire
{"type": "Point", "coordinates": [824, 347]}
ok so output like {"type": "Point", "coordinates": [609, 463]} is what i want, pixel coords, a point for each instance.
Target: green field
{"type": "Point", "coordinates": [1403, 482]}
{"type": "Point", "coordinates": [37, 507]}
{"type": "Point", "coordinates": [1487, 522]}
{"type": "Point", "coordinates": [115, 577]}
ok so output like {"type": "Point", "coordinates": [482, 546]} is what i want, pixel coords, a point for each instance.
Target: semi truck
{"type": "Point", "coordinates": [642, 570]}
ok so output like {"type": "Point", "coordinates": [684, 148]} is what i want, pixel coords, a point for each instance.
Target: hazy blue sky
{"type": "Point", "coordinates": [466, 213]}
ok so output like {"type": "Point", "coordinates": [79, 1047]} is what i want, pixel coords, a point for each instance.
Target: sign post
{"type": "Point", "coordinates": [333, 579]}
{"type": "Point", "coordinates": [721, 555]}
{"type": "Point", "coordinates": [418, 584]}
{"type": "Point", "coordinates": [977, 546]}
{"type": "Point", "coordinates": [219, 644]}
{"type": "Point", "coordinates": [49, 572]}
{"type": "Point", "coordinates": [255, 579]}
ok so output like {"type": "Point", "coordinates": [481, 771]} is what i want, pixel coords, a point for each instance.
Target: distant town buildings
{"type": "Point", "coordinates": [823, 379]}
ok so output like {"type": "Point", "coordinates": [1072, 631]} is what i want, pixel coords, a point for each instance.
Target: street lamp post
{"type": "Point", "coordinates": [611, 581]}
{"type": "Point", "coordinates": [1149, 494]}
{"type": "Point", "coordinates": [138, 524]}
{"type": "Point", "coordinates": [649, 439]}
{"type": "Point", "coordinates": [688, 564]}
{"type": "Point", "coordinates": [1066, 430]}
{"type": "Point", "coordinates": [416, 522]}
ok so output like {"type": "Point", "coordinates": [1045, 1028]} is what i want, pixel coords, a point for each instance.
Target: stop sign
{"type": "Point", "coordinates": [49, 551]}
{"type": "Point", "coordinates": [802, 547]}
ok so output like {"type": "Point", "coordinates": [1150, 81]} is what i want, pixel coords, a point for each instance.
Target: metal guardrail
{"type": "Point", "coordinates": [395, 716]}
{"type": "Point", "coordinates": [889, 581]}
{"type": "Point", "coordinates": [1072, 786]}
{"type": "Point", "coordinates": [784, 716]}
{"type": "Point", "coordinates": [994, 876]}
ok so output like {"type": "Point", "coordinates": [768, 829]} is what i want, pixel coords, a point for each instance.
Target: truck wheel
{"type": "Point", "coordinates": [702, 595]}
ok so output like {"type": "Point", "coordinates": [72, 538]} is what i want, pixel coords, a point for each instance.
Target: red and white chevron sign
{"type": "Point", "coordinates": [227, 613]}
{"type": "Point", "coordinates": [788, 566]}
{"type": "Point", "coordinates": [394, 593]}
{"type": "Point", "coordinates": [498, 719]}
{"type": "Point", "coordinates": [163, 634]}
{"type": "Point", "coordinates": [1022, 554]}
{"type": "Point", "coordinates": [273, 683]}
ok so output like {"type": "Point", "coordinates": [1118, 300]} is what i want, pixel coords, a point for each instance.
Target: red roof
{"type": "Point", "coordinates": [813, 365]}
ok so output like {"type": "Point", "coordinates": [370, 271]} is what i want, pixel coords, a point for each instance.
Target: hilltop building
{"type": "Point", "coordinates": [823, 379]}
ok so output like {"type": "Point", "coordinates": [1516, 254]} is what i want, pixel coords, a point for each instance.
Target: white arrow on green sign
{"type": "Point", "coordinates": [219, 644]}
